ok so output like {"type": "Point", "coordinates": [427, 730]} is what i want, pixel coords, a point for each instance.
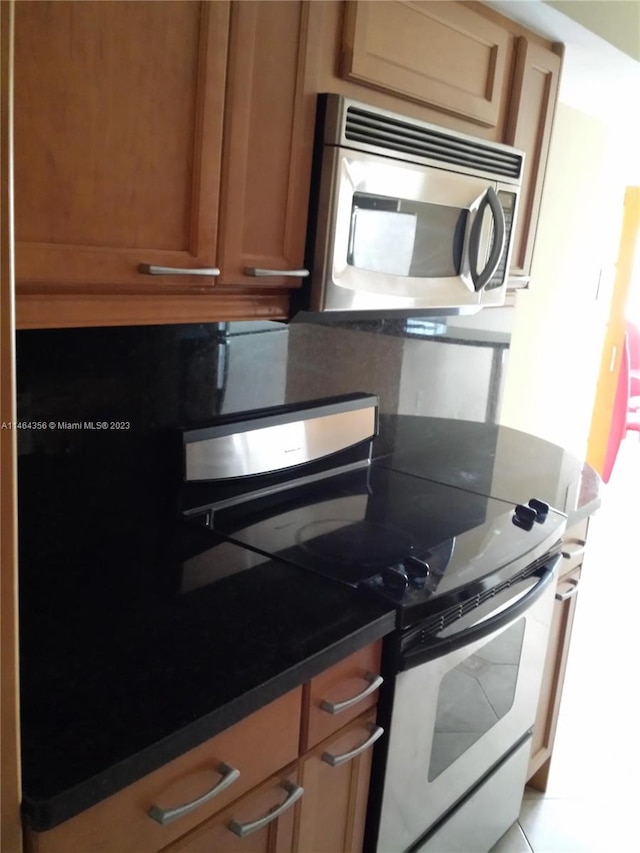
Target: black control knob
{"type": "Point", "coordinates": [416, 570]}
{"type": "Point", "coordinates": [395, 580]}
{"type": "Point", "coordinates": [524, 516]}
{"type": "Point", "coordinates": [540, 508]}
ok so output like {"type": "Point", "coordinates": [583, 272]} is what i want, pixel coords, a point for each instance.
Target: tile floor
{"type": "Point", "coordinates": [593, 798]}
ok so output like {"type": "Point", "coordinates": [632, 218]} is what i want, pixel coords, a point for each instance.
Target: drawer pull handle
{"type": "Point", "coordinates": [565, 596]}
{"type": "Point", "coordinates": [337, 760]}
{"type": "Point", "coordinates": [336, 707]}
{"type": "Point", "coordinates": [294, 792]}
{"type": "Point", "coordinates": [150, 269]}
{"type": "Point", "coordinates": [257, 272]}
{"type": "Point", "coordinates": [229, 775]}
{"type": "Point", "coordinates": [577, 551]}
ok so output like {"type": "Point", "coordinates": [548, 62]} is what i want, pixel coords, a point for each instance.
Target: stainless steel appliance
{"type": "Point", "coordinates": [471, 579]}
{"type": "Point", "coordinates": [407, 216]}
{"type": "Point", "coordinates": [460, 717]}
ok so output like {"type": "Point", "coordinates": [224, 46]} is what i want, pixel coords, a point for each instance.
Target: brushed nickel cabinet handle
{"type": "Point", "coordinates": [570, 553]}
{"type": "Point", "coordinates": [229, 775]}
{"type": "Point", "coordinates": [564, 596]}
{"type": "Point", "coordinates": [150, 269]}
{"type": "Point", "coordinates": [337, 760]}
{"type": "Point", "coordinates": [257, 272]}
{"type": "Point", "coordinates": [294, 792]}
{"type": "Point", "coordinates": [336, 707]}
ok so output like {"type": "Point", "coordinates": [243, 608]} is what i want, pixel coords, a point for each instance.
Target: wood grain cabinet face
{"type": "Point", "coordinates": [333, 809]}
{"type": "Point", "coordinates": [444, 55]}
{"type": "Point", "coordinates": [544, 729]}
{"type": "Point", "coordinates": [533, 100]}
{"type": "Point", "coordinates": [268, 142]}
{"type": "Point", "coordinates": [118, 132]}
{"type": "Point", "coordinates": [174, 135]}
{"type": "Point", "coordinates": [338, 685]}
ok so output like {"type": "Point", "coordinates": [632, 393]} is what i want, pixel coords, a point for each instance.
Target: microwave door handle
{"type": "Point", "coordinates": [352, 236]}
{"type": "Point", "coordinates": [490, 200]}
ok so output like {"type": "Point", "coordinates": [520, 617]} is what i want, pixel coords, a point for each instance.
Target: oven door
{"type": "Point", "coordinates": [399, 235]}
{"type": "Point", "coordinates": [465, 699]}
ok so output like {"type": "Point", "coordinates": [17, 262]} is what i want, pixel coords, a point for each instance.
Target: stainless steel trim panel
{"type": "Point", "coordinates": [279, 446]}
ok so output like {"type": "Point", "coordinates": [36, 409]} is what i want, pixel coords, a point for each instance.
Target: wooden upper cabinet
{"type": "Point", "coordinates": [533, 99]}
{"type": "Point", "coordinates": [443, 55]}
{"type": "Point", "coordinates": [122, 114]}
{"type": "Point", "coordinates": [118, 132]}
{"type": "Point", "coordinates": [268, 142]}
{"type": "Point", "coordinates": [180, 135]}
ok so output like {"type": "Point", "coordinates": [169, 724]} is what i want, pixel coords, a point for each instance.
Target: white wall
{"type": "Point", "coordinates": [559, 323]}
{"type": "Point", "coordinates": [617, 21]}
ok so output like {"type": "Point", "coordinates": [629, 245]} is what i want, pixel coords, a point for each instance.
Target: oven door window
{"type": "Point", "coordinates": [406, 238]}
{"type": "Point", "coordinates": [474, 696]}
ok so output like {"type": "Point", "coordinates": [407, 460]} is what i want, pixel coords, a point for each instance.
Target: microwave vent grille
{"type": "Point", "coordinates": [422, 141]}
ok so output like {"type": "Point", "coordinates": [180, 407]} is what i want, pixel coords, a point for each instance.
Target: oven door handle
{"type": "Point", "coordinates": [432, 647]}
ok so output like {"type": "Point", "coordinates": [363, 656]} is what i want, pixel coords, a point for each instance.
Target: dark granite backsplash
{"type": "Point", "coordinates": [159, 376]}
{"type": "Point", "coordinates": [104, 402]}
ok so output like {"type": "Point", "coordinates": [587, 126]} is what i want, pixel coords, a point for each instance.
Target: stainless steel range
{"type": "Point", "coordinates": [471, 579]}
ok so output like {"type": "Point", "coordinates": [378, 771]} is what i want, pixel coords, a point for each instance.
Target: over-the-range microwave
{"type": "Point", "coordinates": [407, 218]}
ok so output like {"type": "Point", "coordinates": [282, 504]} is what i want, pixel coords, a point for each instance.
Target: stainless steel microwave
{"type": "Point", "coordinates": [408, 217]}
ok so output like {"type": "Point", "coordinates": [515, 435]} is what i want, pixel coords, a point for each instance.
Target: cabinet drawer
{"type": "Point", "coordinates": [573, 546]}
{"type": "Point", "coordinates": [340, 694]}
{"type": "Point", "coordinates": [257, 747]}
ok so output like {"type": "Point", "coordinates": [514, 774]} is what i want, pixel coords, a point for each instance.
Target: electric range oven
{"type": "Point", "coordinates": [471, 579]}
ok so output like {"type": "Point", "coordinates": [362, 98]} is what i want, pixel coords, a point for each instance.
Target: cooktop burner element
{"type": "Point", "coordinates": [407, 540]}
{"type": "Point", "coordinates": [417, 543]}
{"type": "Point", "coordinates": [369, 544]}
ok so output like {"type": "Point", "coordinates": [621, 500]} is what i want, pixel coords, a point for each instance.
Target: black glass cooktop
{"type": "Point", "coordinates": [409, 540]}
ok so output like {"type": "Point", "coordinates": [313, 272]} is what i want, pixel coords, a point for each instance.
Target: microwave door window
{"type": "Point", "coordinates": [382, 241]}
{"type": "Point", "coordinates": [406, 238]}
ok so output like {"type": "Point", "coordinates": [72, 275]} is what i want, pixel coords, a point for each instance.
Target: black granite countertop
{"type": "Point", "coordinates": [125, 666]}
{"type": "Point", "coordinates": [128, 660]}
{"type": "Point", "coordinates": [489, 459]}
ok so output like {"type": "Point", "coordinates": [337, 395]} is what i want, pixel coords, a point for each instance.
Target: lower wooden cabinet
{"type": "Point", "coordinates": [256, 786]}
{"type": "Point", "coordinates": [335, 777]}
{"type": "Point", "coordinates": [256, 747]}
{"type": "Point", "coordinates": [317, 805]}
{"type": "Point", "coordinates": [557, 655]}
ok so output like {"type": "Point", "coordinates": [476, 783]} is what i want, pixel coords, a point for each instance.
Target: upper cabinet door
{"type": "Point", "coordinates": [118, 132]}
{"type": "Point", "coordinates": [268, 142]}
{"type": "Point", "coordinates": [533, 101]}
{"type": "Point", "coordinates": [451, 58]}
